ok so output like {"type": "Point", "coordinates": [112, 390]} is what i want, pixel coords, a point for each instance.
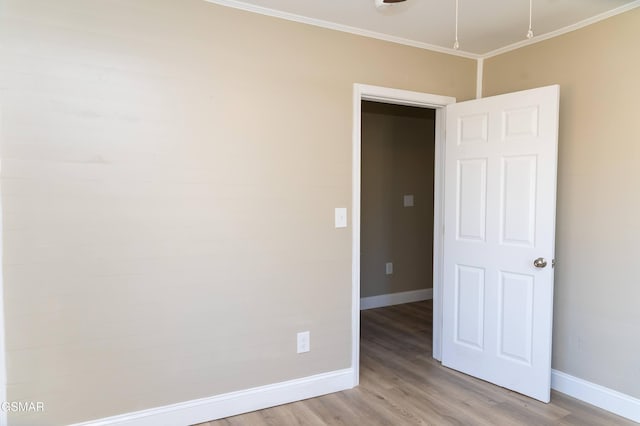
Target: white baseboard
{"type": "Point", "coordinates": [234, 403]}
{"type": "Point", "coordinates": [605, 398]}
{"type": "Point", "coordinates": [231, 404]}
{"type": "Point", "coordinates": [395, 298]}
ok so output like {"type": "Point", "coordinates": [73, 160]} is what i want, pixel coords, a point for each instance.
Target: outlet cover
{"type": "Point", "coordinates": [304, 342]}
{"type": "Point", "coordinates": [408, 200]}
{"type": "Point", "coordinates": [388, 268]}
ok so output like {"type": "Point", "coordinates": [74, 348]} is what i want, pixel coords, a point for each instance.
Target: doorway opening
{"type": "Point", "coordinates": [396, 204]}
{"type": "Point", "coordinates": [396, 232]}
{"type": "Point", "coordinates": [395, 98]}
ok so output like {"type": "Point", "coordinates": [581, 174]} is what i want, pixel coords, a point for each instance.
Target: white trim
{"type": "Point", "coordinates": [340, 27]}
{"type": "Point", "coordinates": [234, 403]}
{"type": "Point", "coordinates": [359, 92]}
{"type": "Point", "coordinates": [479, 76]}
{"type": "Point", "coordinates": [438, 232]}
{"type": "Point", "coordinates": [589, 21]}
{"type": "Point", "coordinates": [391, 299]}
{"type": "Point", "coordinates": [3, 364]}
{"type": "Point", "coordinates": [400, 97]}
{"type": "Point", "coordinates": [605, 398]}
{"type": "Point", "coordinates": [419, 44]}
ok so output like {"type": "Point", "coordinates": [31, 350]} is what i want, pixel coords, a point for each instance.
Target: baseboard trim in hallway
{"type": "Point", "coordinates": [391, 299]}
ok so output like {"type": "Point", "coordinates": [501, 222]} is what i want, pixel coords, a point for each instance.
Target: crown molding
{"type": "Point", "coordinates": [339, 27]}
{"type": "Point", "coordinates": [421, 45]}
{"type": "Point", "coordinates": [586, 22]}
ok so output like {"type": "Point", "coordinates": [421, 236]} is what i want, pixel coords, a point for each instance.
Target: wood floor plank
{"type": "Point", "coordinates": [401, 384]}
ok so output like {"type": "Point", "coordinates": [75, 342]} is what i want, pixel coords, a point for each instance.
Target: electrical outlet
{"type": "Point", "coordinates": [304, 342]}
{"type": "Point", "coordinates": [407, 200]}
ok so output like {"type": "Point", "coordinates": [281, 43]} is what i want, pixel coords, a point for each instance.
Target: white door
{"type": "Point", "coordinates": [500, 204]}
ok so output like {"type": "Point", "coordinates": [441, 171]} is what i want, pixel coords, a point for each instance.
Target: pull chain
{"type": "Point", "coordinates": [530, 32]}
{"type": "Point", "coordinates": [456, 45]}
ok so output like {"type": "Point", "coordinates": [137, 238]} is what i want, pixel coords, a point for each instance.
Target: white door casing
{"type": "Point", "coordinates": [499, 216]}
{"type": "Point", "coordinates": [399, 97]}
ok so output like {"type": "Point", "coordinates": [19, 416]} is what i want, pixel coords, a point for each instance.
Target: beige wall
{"type": "Point", "coordinates": [597, 319]}
{"type": "Point", "coordinates": [169, 174]}
{"type": "Point", "coordinates": [397, 159]}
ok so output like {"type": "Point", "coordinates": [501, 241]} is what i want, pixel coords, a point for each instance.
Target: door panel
{"type": "Point", "coordinates": [515, 317]}
{"type": "Point", "coordinates": [500, 188]}
{"type": "Point", "coordinates": [518, 202]}
{"type": "Point", "coordinates": [472, 129]}
{"type": "Point", "coordinates": [469, 306]}
{"type": "Point", "coordinates": [472, 199]}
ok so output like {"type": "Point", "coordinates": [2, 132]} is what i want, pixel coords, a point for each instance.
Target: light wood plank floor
{"type": "Point", "coordinates": [400, 384]}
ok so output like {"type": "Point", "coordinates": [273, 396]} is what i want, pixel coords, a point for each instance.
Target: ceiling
{"type": "Point", "coordinates": [485, 26]}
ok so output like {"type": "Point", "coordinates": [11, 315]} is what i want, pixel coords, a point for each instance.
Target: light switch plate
{"type": "Point", "coordinates": [341, 217]}
{"type": "Point", "coordinates": [388, 268]}
{"type": "Point", "coordinates": [408, 200]}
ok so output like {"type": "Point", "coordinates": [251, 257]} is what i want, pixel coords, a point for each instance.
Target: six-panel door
{"type": "Point", "coordinates": [500, 189]}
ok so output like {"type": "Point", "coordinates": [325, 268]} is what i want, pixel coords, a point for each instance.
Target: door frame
{"type": "Point", "coordinates": [398, 97]}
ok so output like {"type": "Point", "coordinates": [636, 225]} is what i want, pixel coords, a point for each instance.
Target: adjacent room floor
{"type": "Point", "coordinates": [400, 384]}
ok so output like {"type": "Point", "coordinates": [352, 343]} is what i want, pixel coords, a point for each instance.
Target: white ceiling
{"type": "Point", "coordinates": [484, 25]}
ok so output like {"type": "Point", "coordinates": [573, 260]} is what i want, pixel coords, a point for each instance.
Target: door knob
{"type": "Point", "coordinates": [540, 262]}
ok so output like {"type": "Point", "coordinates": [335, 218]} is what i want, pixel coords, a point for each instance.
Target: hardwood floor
{"type": "Point", "coordinates": [400, 384]}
